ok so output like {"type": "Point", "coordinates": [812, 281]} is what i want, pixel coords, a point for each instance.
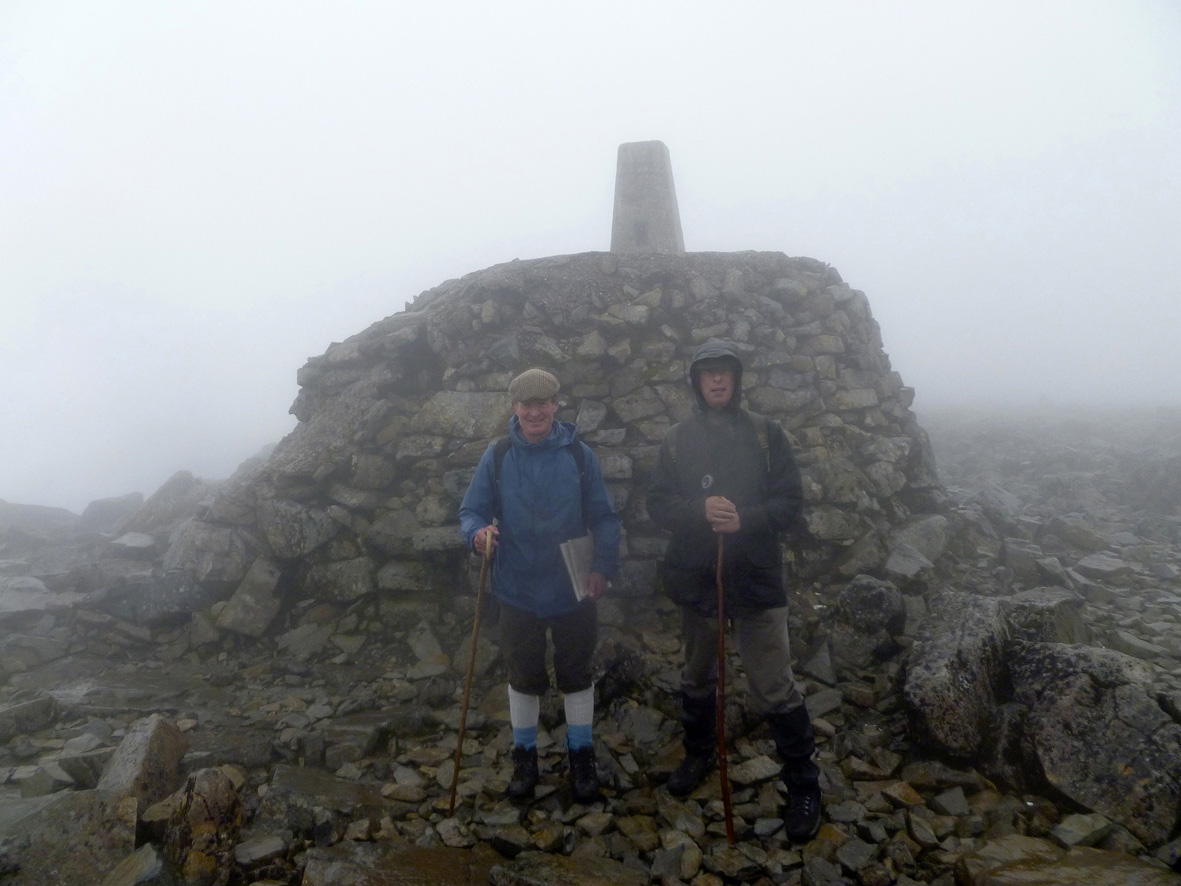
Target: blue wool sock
{"type": "Point", "coordinates": [580, 714]}
{"type": "Point", "coordinates": [578, 736]}
{"type": "Point", "coordinates": [526, 738]}
{"type": "Point", "coordinates": [523, 712]}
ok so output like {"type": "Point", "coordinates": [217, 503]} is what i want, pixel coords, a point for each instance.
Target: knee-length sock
{"type": "Point", "coordinates": [580, 714]}
{"type": "Point", "coordinates": [523, 711]}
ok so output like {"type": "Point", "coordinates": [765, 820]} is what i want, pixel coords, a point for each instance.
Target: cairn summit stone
{"type": "Point", "coordinates": [646, 218]}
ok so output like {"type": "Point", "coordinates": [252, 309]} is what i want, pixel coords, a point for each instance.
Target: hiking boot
{"type": "Point", "coordinates": [525, 775]}
{"type": "Point", "coordinates": [801, 815]}
{"type": "Point", "coordinates": [690, 773]}
{"type": "Point", "coordinates": [584, 774]}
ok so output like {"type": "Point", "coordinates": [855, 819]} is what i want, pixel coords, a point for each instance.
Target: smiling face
{"type": "Point", "coordinates": [716, 383]}
{"type": "Point", "coordinates": [537, 417]}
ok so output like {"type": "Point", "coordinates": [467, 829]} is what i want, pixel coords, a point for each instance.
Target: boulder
{"type": "Point", "coordinates": [177, 500]}
{"type": "Point", "coordinates": [146, 765]}
{"type": "Point", "coordinates": [1046, 615]}
{"type": "Point", "coordinates": [208, 553]}
{"type": "Point", "coordinates": [23, 652]}
{"type": "Point", "coordinates": [406, 575]}
{"type": "Point", "coordinates": [204, 823]}
{"type": "Point", "coordinates": [973, 535]}
{"type": "Point", "coordinates": [29, 716]}
{"type": "Point", "coordinates": [293, 530]}
{"type": "Point", "coordinates": [869, 613]}
{"type": "Point", "coordinates": [928, 535]}
{"type": "Point", "coordinates": [36, 522]}
{"type": "Point", "coordinates": [72, 838]}
{"type": "Point", "coordinates": [530, 868]}
{"type": "Point", "coordinates": [1002, 508]}
{"type": "Point", "coordinates": [954, 671]}
{"type": "Point", "coordinates": [109, 515]}
{"type": "Point", "coordinates": [1022, 557]}
{"type": "Point", "coordinates": [254, 605]}
{"type": "Point", "coordinates": [1104, 567]}
{"type": "Point", "coordinates": [363, 864]}
{"type": "Point", "coordinates": [144, 867]}
{"type": "Point", "coordinates": [1098, 734]}
{"type": "Point", "coordinates": [1017, 860]}
{"type": "Point", "coordinates": [26, 594]}
{"type": "Point", "coordinates": [1077, 532]}
{"type": "Point", "coordinates": [143, 596]}
{"type": "Point", "coordinates": [459, 414]}
{"type": "Point", "coordinates": [905, 562]}
{"type": "Point", "coordinates": [342, 581]}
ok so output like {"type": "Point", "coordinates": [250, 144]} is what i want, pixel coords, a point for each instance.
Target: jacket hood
{"type": "Point", "coordinates": [716, 349]}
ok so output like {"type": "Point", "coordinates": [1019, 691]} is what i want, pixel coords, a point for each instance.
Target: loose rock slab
{"type": "Point", "coordinates": [146, 765]}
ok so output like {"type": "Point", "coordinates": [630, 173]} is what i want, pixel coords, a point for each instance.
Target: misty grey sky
{"type": "Point", "coordinates": [196, 197]}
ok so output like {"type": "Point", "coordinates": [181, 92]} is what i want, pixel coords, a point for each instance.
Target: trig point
{"type": "Point", "coordinates": [646, 215]}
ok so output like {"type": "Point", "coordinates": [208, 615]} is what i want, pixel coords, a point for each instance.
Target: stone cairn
{"type": "Point", "coordinates": [363, 495]}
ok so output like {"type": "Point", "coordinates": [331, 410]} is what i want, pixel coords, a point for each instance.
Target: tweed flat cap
{"type": "Point", "coordinates": [533, 384]}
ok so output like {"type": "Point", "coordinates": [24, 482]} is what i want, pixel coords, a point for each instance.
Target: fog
{"type": "Point", "coordinates": [196, 197]}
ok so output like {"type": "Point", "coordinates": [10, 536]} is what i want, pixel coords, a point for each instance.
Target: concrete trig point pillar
{"type": "Point", "coordinates": [646, 215]}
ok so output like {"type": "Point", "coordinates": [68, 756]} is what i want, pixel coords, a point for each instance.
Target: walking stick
{"type": "Point", "coordinates": [467, 681]}
{"type": "Point", "coordinates": [721, 708]}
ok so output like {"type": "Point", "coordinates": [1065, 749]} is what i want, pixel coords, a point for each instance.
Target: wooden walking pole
{"type": "Point", "coordinates": [721, 710]}
{"type": "Point", "coordinates": [467, 681]}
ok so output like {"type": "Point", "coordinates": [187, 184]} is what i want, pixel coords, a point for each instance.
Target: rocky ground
{"type": "Point", "coordinates": [323, 752]}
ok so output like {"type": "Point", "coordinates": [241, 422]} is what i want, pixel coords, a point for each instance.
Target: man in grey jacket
{"type": "Point", "coordinates": [731, 472]}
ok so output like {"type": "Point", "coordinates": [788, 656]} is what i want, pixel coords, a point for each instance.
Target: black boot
{"type": "Point", "coordinates": [584, 774]}
{"type": "Point", "coordinates": [795, 743]}
{"type": "Point", "coordinates": [692, 771]}
{"type": "Point", "coordinates": [525, 775]}
{"type": "Point", "coordinates": [699, 718]}
{"type": "Point", "coordinates": [801, 814]}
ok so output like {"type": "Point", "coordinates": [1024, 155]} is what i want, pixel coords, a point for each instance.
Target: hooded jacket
{"type": "Point", "coordinates": [718, 452]}
{"type": "Point", "coordinates": [542, 503]}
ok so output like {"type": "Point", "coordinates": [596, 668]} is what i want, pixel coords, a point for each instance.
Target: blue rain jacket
{"type": "Point", "coordinates": [540, 509]}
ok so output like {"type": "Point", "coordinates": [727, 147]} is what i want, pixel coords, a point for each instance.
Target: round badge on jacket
{"type": "Point", "coordinates": [707, 481]}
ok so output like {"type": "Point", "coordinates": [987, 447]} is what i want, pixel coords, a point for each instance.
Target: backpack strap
{"type": "Point", "coordinates": [759, 422]}
{"type": "Point", "coordinates": [499, 451]}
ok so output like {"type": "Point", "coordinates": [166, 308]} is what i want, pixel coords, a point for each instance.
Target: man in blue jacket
{"type": "Point", "coordinates": [730, 473]}
{"type": "Point", "coordinates": [543, 489]}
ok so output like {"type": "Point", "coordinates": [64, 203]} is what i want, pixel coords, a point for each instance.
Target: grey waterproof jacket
{"type": "Point", "coordinates": [722, 452]}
